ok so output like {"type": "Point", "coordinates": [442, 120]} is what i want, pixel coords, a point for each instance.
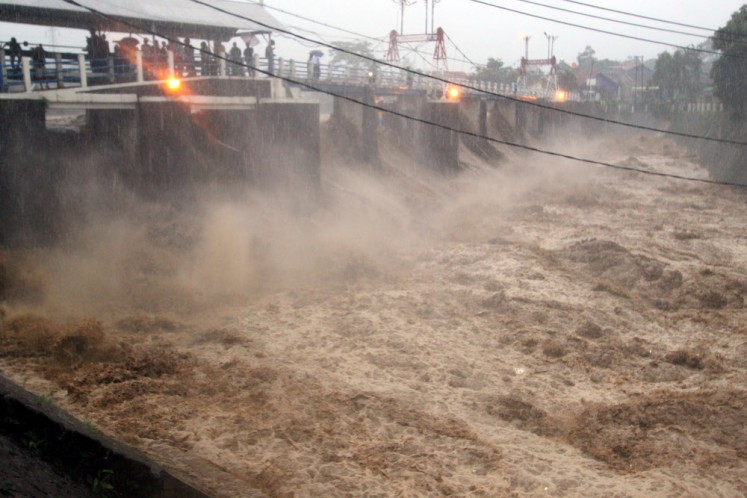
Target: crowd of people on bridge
{"type": "Point", "coordinates": [205, 60]}
{"type": "Point", "coordinates": [15, 52]}
{"type": "Point", "coordinates": [117, 61]}
{"type": "Point", "coordinates": [120, 64]}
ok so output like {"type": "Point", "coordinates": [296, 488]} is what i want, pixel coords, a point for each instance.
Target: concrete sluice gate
{"type": "Point", "coordinates": [146, 139]}
{"type": "Point", "coordinates": [224, 134]}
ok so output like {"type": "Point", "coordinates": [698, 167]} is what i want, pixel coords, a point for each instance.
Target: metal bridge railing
{"type": "Point", "coordinates": [69, 70]}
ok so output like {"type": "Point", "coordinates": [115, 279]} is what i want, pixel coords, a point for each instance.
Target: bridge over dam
{"type": "Point", "coordinates": [154, 139]}
{"type": "Point", "coordinates": [156, 122]}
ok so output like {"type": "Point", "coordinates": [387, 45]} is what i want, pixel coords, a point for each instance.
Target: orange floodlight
{"type": "Point", "coordinates": [560, 96]}
{"type": "Point", "coordinates": [173, 84]}
{"type": "Point", "coordinates": [453, 93]}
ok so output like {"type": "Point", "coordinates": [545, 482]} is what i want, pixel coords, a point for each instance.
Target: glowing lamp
{"type": "Point", "coordinates": [174, 84]}
{"type": "Point", "coordinates": [453, 93]}
{"type": "Point", "coordinates": [560, 96]}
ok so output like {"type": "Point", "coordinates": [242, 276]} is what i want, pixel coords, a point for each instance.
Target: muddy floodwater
{"type": "Point", "coordinates": [535, 328]}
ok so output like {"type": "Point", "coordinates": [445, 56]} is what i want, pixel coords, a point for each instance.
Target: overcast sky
{"type": "Point", "coordinates": [481, 31]}
{"type": "Point", "coordinates": [478, 30]}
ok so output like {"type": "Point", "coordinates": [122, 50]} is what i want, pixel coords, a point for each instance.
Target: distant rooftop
{"type": "Point", "coordinates": [167, 17]}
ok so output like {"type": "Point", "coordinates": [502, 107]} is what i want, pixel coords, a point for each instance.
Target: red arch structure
{"type": "Point", "coordinates": [439, 52]}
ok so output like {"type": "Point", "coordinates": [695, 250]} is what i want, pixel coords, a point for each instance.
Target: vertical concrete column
{"type": "Point", "coordinates": [170, 62]}
{"type": "Point", "coordinates": [222, 67]}
{"type": "Point", "coordinates": [441, 145]}
{"type": "Point", "coordinates": [26, 63]}
{"type": "Point", "coordinates": [370, 130]}
{"type": "Point", "coordinates": [82, 71]}
{"type": "Point", "coordinates": [520, 117]}
{"type": "Point", "coordinates": [483, 118]}
{"type": "Point", "coordinates": [116, 127]}
{"type": "Point", "coordinates": [27, 189]}
{"type": "Point", "coordinates": [139, 66]}
{"type": "Point", "coordinates": [292, 69]}
{"type": "Point", "coordinates": [167, 142]}
{"type": "Point", "coordinates": [289, 147]}
{"type": "Point", "coordinates": [541, 115]}
{"type": "Point", "coordinates": [279, 69]}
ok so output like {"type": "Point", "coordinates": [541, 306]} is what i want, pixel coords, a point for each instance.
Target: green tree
{"type": "Point", "coordinates": [729, 72]}
{"type": "Point", "coordinates": [567, 78]}
{"type": "Point", "coordinates": [586, 58]}
{"type": "Point", "coordinates": [678, 75]}
{"type": "Point", "coordinates": [588, 61]}
{"type": "Point", "coordinates": [495, 71]}
{"type": "Point", "coordinates": [349, 59]}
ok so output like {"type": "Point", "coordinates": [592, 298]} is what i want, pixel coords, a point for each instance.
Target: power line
{"type": "Point", "coordinates": [474, 88]}
{"type": "Point", "coordinates": [409, 117]}
{"type": "Point", "coordinates": [467, 86]}
{"type": "Point", "coordinates": [354, 33]}
{"type": "Point", "coordinates": [460, 51]}
{"type": "Point", "coordinates": [589, 28]}
{"type": "Point", "coordinates": [319, 22]}
{"type": "Point", "coordinates": [602, 18]}
{"type": "Point", "coordinates": [631, 14]}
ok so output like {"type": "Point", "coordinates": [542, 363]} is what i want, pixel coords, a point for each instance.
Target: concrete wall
{"type": "Point", "coordinates": [434, 146]}
{"type": "Point", "coordinates": [116, 128]}
{"type": "Point", "coordinates": [157, 149]}
{"type": "Point", "coordinates": [26, 177]}
{"type": "Point", "coordinates": [440, 147]}
{"type": "Point", "coordinates": [217, 87]}
{"type": "Point", "coordinates": [289, 148]}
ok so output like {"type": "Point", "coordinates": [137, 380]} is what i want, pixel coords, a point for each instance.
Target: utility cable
{"type": "Point", "coordinates": [474, 88]}
{"type": "Point", "coordinates": [619, 21]}
{"type": "Point", "coordinates": [597, 30]}
{"type": "Point", "coordinates": [318, 22]}
{"type": "Point", "coordinates": [309, 86]}
{"type": "Point", "coordinates": [449, 82]}
{"type": "Point", "coordinates": [460, 51]}
{"type": "Point", "coordinates": [641, 16]}
{"type": "Point", "coordinates": [354, 33]}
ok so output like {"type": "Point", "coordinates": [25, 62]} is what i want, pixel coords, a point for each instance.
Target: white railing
{"type": "Point", "coordinates": [59, 70]}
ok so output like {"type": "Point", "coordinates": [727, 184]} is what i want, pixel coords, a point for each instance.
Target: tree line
{"type": "Point", "coordinates": [678, 75]}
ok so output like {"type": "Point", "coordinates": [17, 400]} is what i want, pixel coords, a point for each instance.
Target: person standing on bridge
{"type": "Point", "coordinates": [14, 51]}
{"type": "Point", "coordinates": [270, 56]}
{"type": "Point", "coordinates": [316, 64]}
{"type": "Point", "coordinates": [205, 64]}
{"type": "Point", "coordinates": [220, 55]}
{"type": "Point", "coordinates": [162, 54]}
{"type": "Point", "coordinates": [39, 66]}
{"type": "Point", "coordinates": [189, 57]}
{"type": "Point", "coordinates": [249, 59]}
{"type": "Point", "coordinates": [235, 56]}
{"type": "Point", "coordinates": [150, 56]}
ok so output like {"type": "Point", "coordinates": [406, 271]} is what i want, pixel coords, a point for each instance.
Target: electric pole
{"type": "Point", "coordinates": [526, 46]}
{"type": "Point", "coordinates": [551, 45]}
{"type": "Point", "coordinates": [433, 14]}
{"type": "Point", "coordinates": [402, 5]}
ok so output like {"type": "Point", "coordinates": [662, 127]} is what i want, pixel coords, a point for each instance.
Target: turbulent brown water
{"type": "Point", "coordinates": [537, 328]}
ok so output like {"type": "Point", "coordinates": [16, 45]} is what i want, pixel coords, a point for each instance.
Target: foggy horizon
{"type": "Point", "coordinates": [479, 31]}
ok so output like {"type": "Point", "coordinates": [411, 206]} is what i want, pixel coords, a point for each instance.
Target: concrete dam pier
{"type": "Point", "coordinates": [226, 133]}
